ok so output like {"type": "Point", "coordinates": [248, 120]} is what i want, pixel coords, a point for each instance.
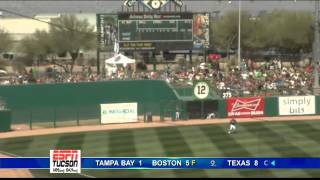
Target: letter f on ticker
{"type": "Point", "coordinates": [193, 162]}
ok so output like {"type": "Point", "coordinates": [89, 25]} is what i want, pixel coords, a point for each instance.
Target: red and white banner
{"type": "Point", "coordinates": [245, 107]}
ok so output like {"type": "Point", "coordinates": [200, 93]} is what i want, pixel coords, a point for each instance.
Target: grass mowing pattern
{"type": "Point", "coordinates": [175, 146]}
{"type": "Point", "coordinates": [279, 144]}
{"type": "Point", "coordinates": [231, 148]}
{"type": "Point", "coordinates": [122, 143]}
{"type": "Point", "coordinates": [307, 130]}
{"type": "Point", "coordinates": [16, 145]}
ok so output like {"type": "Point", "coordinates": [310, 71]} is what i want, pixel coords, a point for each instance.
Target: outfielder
{"type": "Point", "coordinates": [233, 127]}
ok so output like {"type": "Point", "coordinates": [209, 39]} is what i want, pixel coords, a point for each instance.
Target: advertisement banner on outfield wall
{"type": "Point", "coordinates": [245, 107]}
{"type": "Point", "coordinates": [297, 105]}
{"type": "Point", "coordinates": [119, 113]}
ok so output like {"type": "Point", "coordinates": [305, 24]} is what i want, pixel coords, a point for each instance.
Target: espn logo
{"type": "Point", "coordinates": [65, 161]}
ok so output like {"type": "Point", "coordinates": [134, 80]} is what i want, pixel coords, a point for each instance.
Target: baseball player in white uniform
{"type": "Point", "coordinates": [232, 127]}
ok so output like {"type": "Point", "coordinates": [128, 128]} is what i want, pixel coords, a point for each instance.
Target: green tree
{"type": "Point", "coordinates": [289, 31]}
{"type": "Point", "coordinates": [225, 31]}
{"type": "Point", "coordinates": [256, 39]}
{"type": "Point", "coordinates": [37, 46]}
{"type": "Point", "coordinates": [71, 35]}
{"type": "Point", "coordinates": [6, 41]}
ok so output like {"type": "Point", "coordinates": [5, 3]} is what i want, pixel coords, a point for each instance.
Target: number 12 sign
{"type": "Point", "coordinates": [201, 90]}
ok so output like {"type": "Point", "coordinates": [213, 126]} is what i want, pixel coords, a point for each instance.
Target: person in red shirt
{"type": "Point", "coordinates": [309, 68]}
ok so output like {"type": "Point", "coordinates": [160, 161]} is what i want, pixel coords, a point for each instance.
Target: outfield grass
{"type": "Point", "coordinates": [259, 139]}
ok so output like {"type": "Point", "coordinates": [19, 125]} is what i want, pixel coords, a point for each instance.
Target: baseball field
{"type": "Point", "coordinates": [253, 139]}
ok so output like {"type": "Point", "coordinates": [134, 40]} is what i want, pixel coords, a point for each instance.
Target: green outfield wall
{"type": "Point", "coordinates": [71, 101]}
{"type": "Point", "coordinates": [56, 105]}
{"type": "Point", "coordinates": [222, 110]}
{"type": "Point", "coordinates": [271, 106]}
{"type": "Point", "coordinates": [318, 104]}
{"type": "Point", "coordinates": [5, 120]}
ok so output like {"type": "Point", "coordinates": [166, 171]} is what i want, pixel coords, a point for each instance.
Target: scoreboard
{"type": "Point", "coordinates": [155, 31]}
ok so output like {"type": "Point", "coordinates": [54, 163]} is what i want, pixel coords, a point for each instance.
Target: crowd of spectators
{"type": "Point", "coordinates": [250, 78]}
{"type": "Point", "coordinates": [273, 77]}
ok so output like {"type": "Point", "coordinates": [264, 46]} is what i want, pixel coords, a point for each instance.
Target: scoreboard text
{"type": "Point", "coordinates": [155, 31]}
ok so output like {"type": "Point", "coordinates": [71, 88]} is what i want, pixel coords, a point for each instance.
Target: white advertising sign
{"type": "Point", "coordinates": [119, 113]}
{"type": "Point", "coordinates": [297, 105]}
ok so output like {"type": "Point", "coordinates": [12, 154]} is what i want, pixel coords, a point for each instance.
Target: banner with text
{"type": "Point", "coordinates": [297, 105]}
{"type": "Point", "coordinates": [245, 107]}
{"type": "Point", "coordinates": [119, 113]}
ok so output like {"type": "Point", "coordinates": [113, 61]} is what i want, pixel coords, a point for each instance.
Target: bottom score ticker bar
{"type": "Point", "coordinates": [164, 163]}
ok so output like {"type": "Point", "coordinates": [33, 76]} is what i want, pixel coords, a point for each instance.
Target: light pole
{"type": "Point", "coordinates": [316, 50]}
{"type": "Point", "coordinates": [239, 35]}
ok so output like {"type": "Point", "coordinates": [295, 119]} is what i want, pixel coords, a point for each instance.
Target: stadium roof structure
{"type": "Point", "coordinates": [33, 7]}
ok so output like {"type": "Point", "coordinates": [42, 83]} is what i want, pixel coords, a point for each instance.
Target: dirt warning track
{"type": "Point", "coordinates": [90, 128]}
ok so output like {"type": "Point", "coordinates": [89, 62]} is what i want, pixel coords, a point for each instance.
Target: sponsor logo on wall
{"type": "Point", "coordinates": [297, 105]}
{"type": "Point", "coordinates": [245, 107]}
{"type": "Point", "coordinates": [119, 113]}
